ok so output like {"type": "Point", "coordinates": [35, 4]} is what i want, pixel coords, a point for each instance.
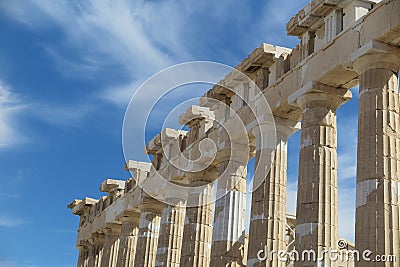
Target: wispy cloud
{"type": "Point", "coordinates": [108, 32]}
{"type": "Point", "coordinates": [10, 108]}
{"type": "Point", "coordinates": [139, 38]}
{"type": "Point", "coordinates": [14, 108]}
{"type": "Point", "coordinates": [10, 191]}
{"type": "Point", "coordinates": [7, 220]}
{"type": "Point", "coordinates": [120, 95]}
{"type": "Point", "coordinates": [62, 115]}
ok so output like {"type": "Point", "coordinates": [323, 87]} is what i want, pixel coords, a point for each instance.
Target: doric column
{"type": "Point", "coordinates": [92, 253]}
{"type": "Point", "coordinates": [83, 255]}
{"type": "Point", "coordinates": [197, 232]}
{"type": "Point", "coordinates": [111, 246]}
{"type": "Point", "coordinates": [317, 197]}
{"type": "Point", "coordinates": [149, 228]}
{"type": "Point", "coordinates": [95, 250]}
{"type": "Point", "coordinates": [230, 213]}
{"type": "Point", "coordinates": [82, 208]}
{"type": "Point", "coordinates": [128, 240]}
{"type": "Point", "coordinates": [268, 209]}
{"type": "Point", "coordinates": [378, 167]}
{"type": "Point", "coordinates": [98, 243]}
{"type": "Point", "coordinates": [171, 229]}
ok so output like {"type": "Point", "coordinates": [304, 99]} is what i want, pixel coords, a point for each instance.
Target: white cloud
{"type": "Point", "coordinates": [122, 31]}
{"type": "Point", "coordinates": [144, 37]}
{"type": "Point", "coordinates": [278, 13]}
{"type": "Point", "coordinates": [120, 95]}
{"type": "Point", "coordinates": [12, 110]}
{"type": "Point", "coordinates": [10, 107]}
{"type": "Point", "coordinates": [62, 115]}
{"type": "Point", "coordinates": [138, 36]}
{"type": "Point", "coordinates": [10, 221]}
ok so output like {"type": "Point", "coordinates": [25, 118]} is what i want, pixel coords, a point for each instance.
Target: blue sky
{"type": "Point", "coordinates": [67, 72]}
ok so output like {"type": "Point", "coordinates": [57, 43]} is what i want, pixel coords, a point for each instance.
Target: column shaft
{"type": "Point", "coordinates": [317, 198]}
{"type": "Point", "coordinates": [92, 254]}
{"type": "Point", "coordinates": [229, 216]}
{"type": "Point", "coordinates": [149, 228]}
{"type": "Point", "coordinates": [268, 210]}
{"type": "Point", "coordinates": [99, 255]}
{"type": "Point", "coordinates": [110, 250]}
{"type": "Point", "coordinates": [197, 233]}
{"type": "Point", "coordinates": [378, 168]}
{"type": "Point", "coordinates": [83, 256]}
{"type": "Point", "coordinates": [171, 234]}
{"type": "Point", "coordinates": [128, 241]}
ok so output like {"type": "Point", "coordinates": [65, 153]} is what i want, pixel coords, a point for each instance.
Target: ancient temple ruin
{"type": "Point", "coordinates": [343, 43]}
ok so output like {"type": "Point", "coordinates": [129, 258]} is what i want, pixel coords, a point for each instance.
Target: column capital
{"type": "Point", "coordinates": [114, 230]}
{"type": "Point", "coordinates": [285, 127]}
{"type": "Point", "coordinates": [272, 131]}
{"type": "Point", "coordinates": [97, 238]}
{"type": "Point", "coordinates": [80, 247]}
{"type": "Point", "coordinates": [150, 205]}
{"type": "Point", "coordinates": [265, 134]}
{"type": "Point", "coordinates": [376, 55]}
{"type": "Point", "coordinates": [264, 126]}
{"type": "Point", "coordinates": [315, 94]}
{"type": "Point", "coordinates": [131, 217]}
{"type": "Point", "coordinates": [202, 177]}
{"type": "Point", "coordinates": [229, 151]}
{"type": "Point", "coordinates": [174, 195]}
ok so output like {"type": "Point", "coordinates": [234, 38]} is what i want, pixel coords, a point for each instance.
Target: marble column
{"type": "Point", "coordinates": [95, 250]}
{"type": "Point", "coordinates": [149, 227]}
{"type": "Point", "coordinates": [111, 246]}
{"type": "Point", "coordinates": [171, 229]}
{"type": "Point", "coordinates": [92, 253]}
{"type": "Point", "coordinates": [268, 209]}
{"type": "Point", "coordinates": [378, 168]}
{"type": "Point", "coordinates": [230, 214]}
{"type": "Point", "coordinates": [317, 197]}
{"type": "Point", "coordinates": [83, 255]}
{"type": "Point", "coordinates": [197, 232]}
{"type": "Point", "coordinates": [128, 240]}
